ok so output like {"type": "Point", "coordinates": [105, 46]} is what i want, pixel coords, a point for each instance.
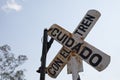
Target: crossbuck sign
{"type": "Point", "coordinates": [74, 44]}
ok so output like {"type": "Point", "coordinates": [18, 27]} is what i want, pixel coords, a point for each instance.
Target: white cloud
{"type": "Point", "coordinates": [12, 5]}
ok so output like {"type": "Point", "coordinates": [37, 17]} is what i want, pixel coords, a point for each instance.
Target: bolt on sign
{"type": "Point", "coordinates": [72, 43]}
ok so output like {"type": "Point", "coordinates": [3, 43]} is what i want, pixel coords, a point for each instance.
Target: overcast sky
{"type": "Point", "coordinates": [22, 23]}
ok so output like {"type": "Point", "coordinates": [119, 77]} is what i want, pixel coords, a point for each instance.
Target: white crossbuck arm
{"type": "Point", "coordinates": [93, 56]}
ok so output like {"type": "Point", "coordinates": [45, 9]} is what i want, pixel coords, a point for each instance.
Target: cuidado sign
{"type": "Point", "coordinates": [93, 56]}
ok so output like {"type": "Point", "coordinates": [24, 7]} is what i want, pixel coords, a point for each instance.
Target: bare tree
{"type": "Point", "coordinates": [8, 64]}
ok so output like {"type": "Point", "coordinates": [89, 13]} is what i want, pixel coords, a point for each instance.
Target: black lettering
{"type": "Point", "coordinates": [51, 71]}
{"type": "Point", "coordinates": [95, 59]}
{"type": "Point", "coordinates": [86, 22]}
{"type": "Point", "coordinates": [64, 39]}
{"type": "Point", "coordinates": [89, 17]}
{"type": "Point", "coordinates": [76, 31]}
{"type": "Point", "coordinates": [55, 67]}
{"type": "Point", "coordinates": [76, 48]}
{"type": "Point", "coordinates": [82, 28]}
{"type": "Point", "coordinates": [60, 36]}
{"type": "Point", "coordinates": [85, 53]}
{"type": "Point", "coordinates": [65, 53]}
{"type": "Point", "coordinates": [55, 30]}
{"type": "Point", "coordinates": [58, 62]}
{"type": "Point", "coordinates": [70, 42]}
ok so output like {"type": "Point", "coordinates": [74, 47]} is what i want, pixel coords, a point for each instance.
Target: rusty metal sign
{"type": "Point", "coordinates": [80, 32]}
{"type": "Point", "coordinates": [87, 23]}
{"type": "Point", "coordinates": [93, 56]}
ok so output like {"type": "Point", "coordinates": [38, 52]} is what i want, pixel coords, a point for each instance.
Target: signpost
{"type": "Point", "coordinates": [46, 46]}
{"type": "Point", "coordinates": [93, 56]}
{"type": "Point", "coordinates": [74, 66]}
{"type": "Point", "coordinates": [80, 32]}
{"type": "Point", "coordinates": [74, 49]}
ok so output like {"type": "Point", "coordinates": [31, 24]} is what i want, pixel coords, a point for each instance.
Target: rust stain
{"type": "Point", "coordinates": [78, 59]}
{"type": "Point", "coordinates": [70, 35]}
{"type": "Point", "coordinates": [82, 38]}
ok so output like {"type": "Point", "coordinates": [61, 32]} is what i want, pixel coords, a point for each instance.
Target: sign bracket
{"type": "Point", "coordinates": [74, 69]}
{"type": "Point", "coordinates": [46, 46]}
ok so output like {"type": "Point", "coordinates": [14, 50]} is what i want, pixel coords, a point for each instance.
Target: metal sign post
{"type": "Point", "coordinates": [74, 66]}
{"type": "Point", "coordinates": [46, 46]}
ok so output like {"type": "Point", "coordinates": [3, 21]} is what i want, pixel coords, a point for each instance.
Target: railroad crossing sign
{"type": "Point", "coordinates": [88, 21]}
{"type": "Point", "coordinates": [72, 43]}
